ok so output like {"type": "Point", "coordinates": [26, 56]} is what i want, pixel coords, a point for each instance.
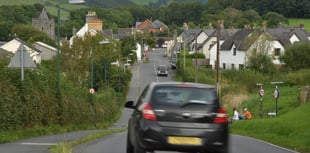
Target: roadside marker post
{"type": "Point", "coordinates": [276, 94]}
{"type": "Point", "coordinates": [261, 93]}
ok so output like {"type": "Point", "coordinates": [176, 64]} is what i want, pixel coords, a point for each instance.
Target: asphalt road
{"type": "Point", "coordinates": [143, 73]}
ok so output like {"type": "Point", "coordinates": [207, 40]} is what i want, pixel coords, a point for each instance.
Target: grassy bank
{"type": "Point", "coordinates": [14, 135]}
{"type": "Point", "coordinates": [290, 130]}
{"type": "Point", "coordinates": [65, 147]}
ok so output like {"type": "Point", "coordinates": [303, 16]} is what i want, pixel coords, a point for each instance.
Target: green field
{"type": "Point", "coordinates": [296, 22]}
{"type": "Point", "coordinates": [143, 2]}
{"type": "Point", "coordinates": [51, 6]}
{"type": "Point", "coordinates": [20, 2]}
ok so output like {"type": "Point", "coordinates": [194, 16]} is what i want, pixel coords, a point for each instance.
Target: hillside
{"type": "Point", "coordinates": [105, 3]}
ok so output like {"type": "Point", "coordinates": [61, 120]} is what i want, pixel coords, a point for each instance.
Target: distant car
{"type": "Point", "coordinates": [177, 116]}
{"type": "Point", "coordinates": [162, 70]}
{"type": "Point", "coordinates": [173, 64]}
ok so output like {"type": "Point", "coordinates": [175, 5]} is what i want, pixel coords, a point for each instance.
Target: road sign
{"type": "Point", "coordinates": [261, 92]}
{"type": "Point", "coordinates": [22, 59]}
{"type": "Point", "coordinates": [276, 93]}
{"type": "Point", "coordinates": [91, 90]}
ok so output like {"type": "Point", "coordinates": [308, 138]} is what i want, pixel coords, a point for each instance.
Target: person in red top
{"type": "Point", "coordinates": [247, 114]}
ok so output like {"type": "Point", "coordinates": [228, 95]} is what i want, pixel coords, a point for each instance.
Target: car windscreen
{"type": "Point", "coordinates": [171, 95]}
{"type": "Point", "coordinates": [161, 68]}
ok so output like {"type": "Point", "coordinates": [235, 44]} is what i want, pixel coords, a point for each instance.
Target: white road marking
{"type": "Point", "coordinates": [38, 144]}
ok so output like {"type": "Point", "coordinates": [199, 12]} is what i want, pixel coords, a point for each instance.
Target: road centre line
{"type": "Point", "coordinates": [37, 144]}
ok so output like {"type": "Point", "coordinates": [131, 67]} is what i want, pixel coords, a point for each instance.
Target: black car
{"type": "Point", "coordinates": [177, 116]}
{"type": "Point", "coordinates": [173, 64]}
{"type": "Point", "coordinates": [162, 70]}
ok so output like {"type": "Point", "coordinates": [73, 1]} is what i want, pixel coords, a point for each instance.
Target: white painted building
{"type": "Point", "coordinates": [13, 45]}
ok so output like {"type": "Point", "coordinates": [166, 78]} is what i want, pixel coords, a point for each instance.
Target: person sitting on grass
{"type": "Point", "coordinates": [247, 114]}
{"type": "Point", "coordinates": [236, 115]}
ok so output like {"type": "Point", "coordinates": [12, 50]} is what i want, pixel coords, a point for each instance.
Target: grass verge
{"type": "Point", "coordinates": [290, 130]}
{"type": "Point", "coordinates": [65, 147]}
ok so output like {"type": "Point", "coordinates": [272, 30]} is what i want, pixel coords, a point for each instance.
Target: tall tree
{"type": "Point", "coordinates": [273, 19]}
{"type": "Point", "coordinates": [297, 56]}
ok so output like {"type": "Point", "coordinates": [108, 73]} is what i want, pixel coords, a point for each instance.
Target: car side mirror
{"type": "Point", "coordinates": [129, 104]}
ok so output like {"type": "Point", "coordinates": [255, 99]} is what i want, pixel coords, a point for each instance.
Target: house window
{"type": "Point", "coordinates": [235, 52]}
{"type": "Point", "coordinates": [276, 52]}
{"type": "Point", "coordinates": [224, 66]}
{"type": "Point", "coordinates": [232, 66]}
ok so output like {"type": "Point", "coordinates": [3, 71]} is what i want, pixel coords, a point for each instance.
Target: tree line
{"type": "Point", "coordinates": [235, 13]}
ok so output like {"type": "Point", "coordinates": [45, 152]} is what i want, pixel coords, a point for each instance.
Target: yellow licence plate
{"type": "Point", "coordinates": [184, 140]}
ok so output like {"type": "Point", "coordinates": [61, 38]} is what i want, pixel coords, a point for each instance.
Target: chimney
{"type": "Point", "coordinates": [247, 26]}
{"type": "Point", "coordinates": [74, 30]}
{"type": "Point", "coordinates": [90, 15]}
{"type": "Point", "coordinates": [280, 25]}
{"type": "Point", "coordinates": [264, 25]}
{"type": "Point", "coordinates": [222, 24]}
{"type": "Point", "coordinates": [302, 26]}
{"type": "Point", "coordinates": [185, 26]}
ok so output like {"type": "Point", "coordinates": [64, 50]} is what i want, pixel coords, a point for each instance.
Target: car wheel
{"type": "Point", "coordinates": [138, 149]}
{"type": "Point", "coordinates": [129, 148]}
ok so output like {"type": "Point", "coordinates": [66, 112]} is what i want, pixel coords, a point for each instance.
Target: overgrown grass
{"type": "Point", "coordinates": [290, 130]}
{"type": "Point", "coordinates": [14, 135]}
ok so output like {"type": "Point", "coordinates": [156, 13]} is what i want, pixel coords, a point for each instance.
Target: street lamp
{"type": "Point", "coordinates": [58, 48]}
{"type": "Point", "coordinates": [104, 42]}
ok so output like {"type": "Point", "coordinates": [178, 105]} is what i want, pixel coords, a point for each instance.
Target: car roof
{"type": "Point", "coordinates": [182, 84]}
{"type": "Point", "coordinates": [162, 65]}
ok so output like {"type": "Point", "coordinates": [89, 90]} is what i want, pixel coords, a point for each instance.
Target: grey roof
{"type": "Point", "coordinates": [236, 39]}
{"type": "Point", "coordinates": [209, 32]}
{"type": "Point", "coordinates": [159, 24]}
{"type": "Point", "coordinates": [283, 34]}
{"type": "Point", "coordinates": [43, 15]}
{"type": "Point", "coordinates": [122, 32]}
{"type": "Point", "coordinates": [2, 43]}
{"type": "Point", "coordinates": [190, 34]}
{"type": "Point", "coordinates": [108, 33]}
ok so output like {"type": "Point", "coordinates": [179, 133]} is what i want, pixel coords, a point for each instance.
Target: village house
{"type": "Point", "coordinates": [235, 51]}
{"type": "Point", "coordinates": [151, 26]}
{"type": "Point", "coordinates": [14, 45]}
{"type": "Point", "coordinates": [236, 45]}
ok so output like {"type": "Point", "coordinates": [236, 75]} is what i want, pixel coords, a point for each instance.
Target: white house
{"type": "Point", "coordinates": [231, 53]}
{"type": "Point", "coordinates": [235, 51]}
{"type": "Point", "coordinates": [13, 46]}
{"type": "Point", "coordinates": [47, 51]}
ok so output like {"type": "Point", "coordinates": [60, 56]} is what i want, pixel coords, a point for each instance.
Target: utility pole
{"type": "Point", "coordinates": [175, 42]}
{"type": "Point", "coordinates": [196, 77]}
{"type": "Point", "coordinates": [58, 49]}
{"type": "Point", "coordinates": [217, 65]}
{"type": "Point", "coordinates": [185, 27]}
